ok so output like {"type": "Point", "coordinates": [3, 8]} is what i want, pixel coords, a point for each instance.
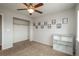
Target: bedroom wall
{"type": "Point", "coordinates": [45, 35]}
{"type": "Point", "coordinates": [7, 26]}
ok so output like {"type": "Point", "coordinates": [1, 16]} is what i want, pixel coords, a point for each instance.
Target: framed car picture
{"type": "Point", "coordinates": [42, 26]}
{"type": "Point", "coordinates": [64, 20]}
{"type": "Point", "coordinates": [53, 21]}
{"type": "Point", "coordinates": [58, 25]}
{"type": "Point", "coordinates": [33, 23]}
{"type": "Point", "coordinates": [45, 23]}
{"type": "Point", "coordinates": [36, 27]}
{"type": "Point", "coordinates": [49, 26]}
{"type": "Point", "coordinates": [39, 23]}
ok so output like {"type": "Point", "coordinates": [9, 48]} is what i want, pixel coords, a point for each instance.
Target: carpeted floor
{"type": "Point", "coordinates": [27, 48]}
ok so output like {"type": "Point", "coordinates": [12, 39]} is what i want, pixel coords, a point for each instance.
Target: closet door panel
{"type": "Point", "coordinates": [20, 30]}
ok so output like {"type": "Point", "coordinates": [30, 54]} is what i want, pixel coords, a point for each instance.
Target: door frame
{"type": "Point", "coordinates": [2, 41]}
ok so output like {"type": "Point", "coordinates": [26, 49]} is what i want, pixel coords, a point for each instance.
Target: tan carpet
{"type": "Point", "coordinates": [28, 48]}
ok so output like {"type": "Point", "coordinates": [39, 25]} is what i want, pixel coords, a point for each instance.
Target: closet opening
{"type": "Point", "coordinates": [20, 30]}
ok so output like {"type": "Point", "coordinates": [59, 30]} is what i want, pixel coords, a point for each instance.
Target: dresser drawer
{"type": "Point", "coordinates": [67, 39]}
{"type": "Point", "coordinates": [56, 37]}
{"type": "Point", "coordinates": [63, 43]}
{"type": "Point", "coordinates": [64, 49]}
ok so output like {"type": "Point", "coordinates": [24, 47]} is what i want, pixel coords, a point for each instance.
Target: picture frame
{"type": "Point", "coordinates": [36, 27]}
{"type": "Point", "coordinates": [49, 26]}
{"type": "Point", "coordinates": [33, 23]}
{"type": "Point", "coordinates": [53, 21]}
{"type": "Point", "coordinates": [39, 23]}
{"type": "Point", "coordinates": [64, 20]}
{"type": "Point", "coordinates": [42, 26]}
{"type": "Point", "coordinates": [59, 25]}
{"type": "Point", "coordinates": [45, 23]}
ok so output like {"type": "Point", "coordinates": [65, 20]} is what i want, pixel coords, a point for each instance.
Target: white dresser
{"type": "Point", "coordinates": [63, 43]}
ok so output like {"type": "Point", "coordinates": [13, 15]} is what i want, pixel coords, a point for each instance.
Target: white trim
{"type": "Point", "coordinates": [2, 29]}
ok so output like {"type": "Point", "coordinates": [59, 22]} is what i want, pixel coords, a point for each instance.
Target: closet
{"type": "Point", "coordinates": [20, 30]}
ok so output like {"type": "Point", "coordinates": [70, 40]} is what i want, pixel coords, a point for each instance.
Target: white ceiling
{"type": "Point", "coordinates": [46, 8]}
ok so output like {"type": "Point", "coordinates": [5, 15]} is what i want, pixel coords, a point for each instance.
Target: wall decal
{"type": "Point", "coordinates": [45, 23]}
{"type": "Point", "coordinates": [54, 21]}
{"type": "Point", "coordinates": [33, 23]}
{"type": "Point", "coordinates": [39, 23]}
{"type": "Point", "coordinates": [64, 20]}
{"type": "Point", "coordinates": [49, 26]}
{"type": "Point", "coordinates": [36, 27]}
{"type": "Point", "coordinates": [42, 26]}
{"type": "Point", "coordinates": [58, 25]}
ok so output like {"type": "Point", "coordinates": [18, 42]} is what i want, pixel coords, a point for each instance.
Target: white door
{"type": "Point", "coordinates": [21, 30]}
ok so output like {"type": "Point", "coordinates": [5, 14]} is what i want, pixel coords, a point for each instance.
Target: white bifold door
{"type": "Point", "coordinates": [20, 30]}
